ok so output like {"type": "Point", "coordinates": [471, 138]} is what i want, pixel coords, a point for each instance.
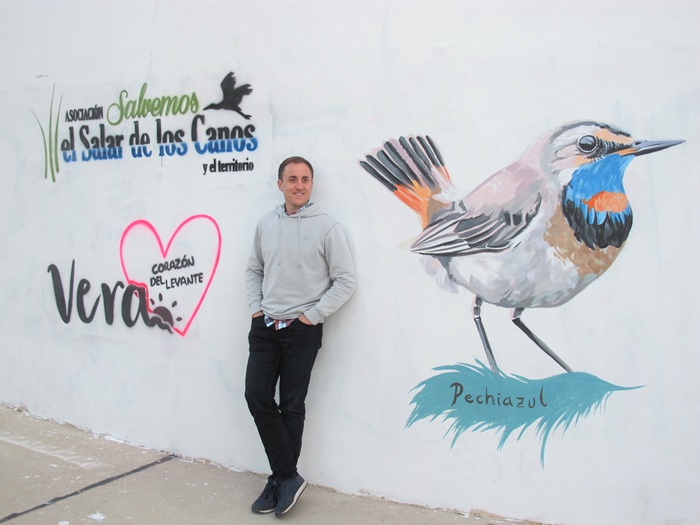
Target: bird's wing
{"type": "Point", "coordinates": [490, 219]}
{"type": "Point", "coordinates": [237, 94]}
{"type": "Point", "coordinates": [228, 84]}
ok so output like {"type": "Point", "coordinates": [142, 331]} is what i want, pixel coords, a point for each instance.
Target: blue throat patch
{"type": "Point", "coordinates": [597, 229]}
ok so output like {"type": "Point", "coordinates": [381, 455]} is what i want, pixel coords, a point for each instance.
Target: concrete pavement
{"type": "Point", "coordinates": [59, 475]}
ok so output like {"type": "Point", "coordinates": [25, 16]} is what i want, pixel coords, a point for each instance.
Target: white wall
{"type": "Point", "coordinates": [484, 79]}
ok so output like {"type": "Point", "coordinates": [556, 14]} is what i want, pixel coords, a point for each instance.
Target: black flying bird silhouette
{"type": "Point", "coordinates": [232, 96]}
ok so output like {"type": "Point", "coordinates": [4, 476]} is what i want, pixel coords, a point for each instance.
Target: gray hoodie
{"type": "Point", "coordinates": [300, 264]}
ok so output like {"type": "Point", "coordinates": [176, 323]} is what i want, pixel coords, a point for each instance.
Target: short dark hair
{"type": "Point", "coordinates": [294, 160]}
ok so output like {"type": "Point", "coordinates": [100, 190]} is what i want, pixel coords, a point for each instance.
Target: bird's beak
{"type": "Point", "coordinates": [643, 147]}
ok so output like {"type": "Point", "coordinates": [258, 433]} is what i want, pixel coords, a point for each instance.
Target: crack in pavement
{"type": "Point", "coordinates": [101, 483]}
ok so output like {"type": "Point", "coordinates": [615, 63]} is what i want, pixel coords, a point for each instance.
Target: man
{"type": "Point", "coordinates": [299, 272]}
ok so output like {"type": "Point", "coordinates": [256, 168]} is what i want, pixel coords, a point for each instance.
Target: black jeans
{"type": "Point", "coordinates": [287, 356]}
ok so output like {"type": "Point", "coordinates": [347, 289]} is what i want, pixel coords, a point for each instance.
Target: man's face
{"type": "Point", "coordinates": [296, 184]}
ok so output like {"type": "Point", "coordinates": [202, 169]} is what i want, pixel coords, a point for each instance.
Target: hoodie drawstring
{"type": "Point", "coordinates": [299, 241]}
{"type": "Point", "coordinates": [279, 239]}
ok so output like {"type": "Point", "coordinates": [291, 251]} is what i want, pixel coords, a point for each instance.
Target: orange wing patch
{"type": "Point", "coordinates": [417, 198]}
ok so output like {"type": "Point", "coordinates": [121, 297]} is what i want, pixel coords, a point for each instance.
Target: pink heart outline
{"type": "Point", "coordinates": [164, 254]}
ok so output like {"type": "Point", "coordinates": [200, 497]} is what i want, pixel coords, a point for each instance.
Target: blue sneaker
{"type": "Point", "coordinates": [267, 501]}
{"type": "Point", "coordinates": [289, 492]}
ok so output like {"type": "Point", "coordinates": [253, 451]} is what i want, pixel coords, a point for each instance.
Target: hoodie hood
{"type": "Point", "coordinates": [311, 210]}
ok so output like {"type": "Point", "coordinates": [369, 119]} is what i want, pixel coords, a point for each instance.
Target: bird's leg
{"type": "Point", "coordinates": [515, 317]}
{"type": "Point", "coordinates": [476, 314]}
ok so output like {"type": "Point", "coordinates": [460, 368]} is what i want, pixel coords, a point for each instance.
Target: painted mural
{"type": "Point", "coordinates": [533, 235]}
{"type": "Point", "coordinates": [165, 284]}
{"type": "Point", "coordinates": [190, 127]}
{"type": "Point", "coordinates": [143, 124]}
{"type": "Point", "coordinates": [175, 277]}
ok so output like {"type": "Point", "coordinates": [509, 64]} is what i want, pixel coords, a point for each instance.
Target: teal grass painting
{"type": "Point", "coordinates": [51, 142]}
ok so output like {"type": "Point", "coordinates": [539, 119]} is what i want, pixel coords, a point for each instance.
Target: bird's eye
{"type": "Point", "coordinates": [588, 144]}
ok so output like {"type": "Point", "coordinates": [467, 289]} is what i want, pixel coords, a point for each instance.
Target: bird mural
{"type": "Point", "coordinates": [534, 234]}
{"type": "Point", "coordinates": [232, 96]}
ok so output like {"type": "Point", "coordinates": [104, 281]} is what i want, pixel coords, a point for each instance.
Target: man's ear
{"type": "Point", "coordinates": [279, 184]}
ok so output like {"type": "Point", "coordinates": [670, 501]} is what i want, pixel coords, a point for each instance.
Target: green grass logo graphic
{"type": "Point", "coordinates": [50, 144]}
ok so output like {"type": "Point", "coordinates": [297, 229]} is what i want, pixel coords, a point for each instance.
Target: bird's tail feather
{"type": "Point", "coordinates": [413, 170]}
